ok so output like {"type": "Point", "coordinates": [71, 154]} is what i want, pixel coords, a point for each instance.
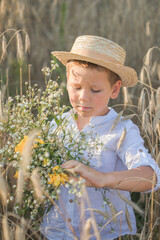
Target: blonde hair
{"type": "Point", "coordinates": [113, 77]}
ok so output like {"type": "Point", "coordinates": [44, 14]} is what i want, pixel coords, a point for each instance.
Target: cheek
{"type": "Point", "coordinates": [100, 100]}
{"type": "Point", "coordinates": [72, 94]}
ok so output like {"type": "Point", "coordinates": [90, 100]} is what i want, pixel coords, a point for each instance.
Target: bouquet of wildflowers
{"type": "Point", "coordinates": [34, 150]}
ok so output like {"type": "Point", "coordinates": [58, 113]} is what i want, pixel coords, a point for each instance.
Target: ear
{"type": "Point", "coordinates": [116, 89]}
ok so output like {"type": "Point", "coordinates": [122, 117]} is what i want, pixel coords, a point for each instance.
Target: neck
{"type": "Point", "coordinates": [82, 122]}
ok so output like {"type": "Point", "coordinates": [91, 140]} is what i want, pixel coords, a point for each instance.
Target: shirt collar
{"type": "Point", "coordinates": [105, 118]}
{"type": "Point", "coordinates": [111, 115]}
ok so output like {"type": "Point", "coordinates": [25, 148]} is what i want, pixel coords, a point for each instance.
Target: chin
{"type": "Point", "coordinates": [84, 114]}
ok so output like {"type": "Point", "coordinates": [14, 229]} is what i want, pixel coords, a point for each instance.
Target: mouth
{"type": "Point", "coordinates": [84, 108]}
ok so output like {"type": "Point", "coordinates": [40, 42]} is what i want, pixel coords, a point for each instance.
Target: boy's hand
{"type": "Point", "coordinates": [93, 178]}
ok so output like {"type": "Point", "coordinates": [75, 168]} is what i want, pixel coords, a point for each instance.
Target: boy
{"type": "Point", "coordinates": [95, 73]}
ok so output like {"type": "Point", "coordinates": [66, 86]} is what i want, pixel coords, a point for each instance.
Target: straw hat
{"type": "Point", "coordinates": [102, 52]}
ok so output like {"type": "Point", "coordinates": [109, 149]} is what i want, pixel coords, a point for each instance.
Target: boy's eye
{"type": "Point", "coordinates": [95, 91]}
{"type": "Point", "coordinates": [76, 87]}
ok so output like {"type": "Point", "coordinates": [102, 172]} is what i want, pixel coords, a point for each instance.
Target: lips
{"type": "Point", "coordinates": [84, 107]}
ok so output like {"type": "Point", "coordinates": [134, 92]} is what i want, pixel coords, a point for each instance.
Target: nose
{"type": "Point", "coordinates": [84, 95]}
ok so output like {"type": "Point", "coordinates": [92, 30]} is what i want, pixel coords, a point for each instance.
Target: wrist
{"type": "Point", "coordinates": [95, 177]}
{"type": "Point", "coordinates": [108, 180]}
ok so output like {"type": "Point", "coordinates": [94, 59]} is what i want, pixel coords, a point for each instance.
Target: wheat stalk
{"type": "Point", "coordinates": [135, 206]}
{"type": "Point", "coordinates": [20, 183]}
{"type": "Point", "coordinates": [20, 53]}
{"type": "Point", "coordinates": [35, 178]}
{"type": "Point", "coordinates": [4, 46]}
{"type": "Point", "coordinates": [5, 228]}
{"type": "Point", "coordinates": [121, 139]}
{"type": "Point", "coordinates": [27, 150]}
{"type": "Point", "coordinates": [27, 44]}
{"type": "Point", "coordinates": [1, 107]}
{"type": "Point", "coordinates": [94, 225]}
{"type": "Point", "coordinates": [117, 120]}
{"type": "Point", "coordinates": [3, 190]}
{"type": "Point", "coordinates": [87, 229]}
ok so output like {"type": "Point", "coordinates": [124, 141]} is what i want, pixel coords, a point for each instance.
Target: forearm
{"type": "Point", "coordinates": [139, 179]}
{"type": "Point", "coordinates": [135, 180]}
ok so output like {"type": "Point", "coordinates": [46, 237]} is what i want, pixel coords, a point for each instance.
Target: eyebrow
{"type": "Point", "coordinates": [75, 74]}
{"type": "Point", "coordinates": [94, 85]}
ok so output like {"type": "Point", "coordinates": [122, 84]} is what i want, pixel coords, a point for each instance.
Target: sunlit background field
{"type": "Point", "coordinates": [31, 30]}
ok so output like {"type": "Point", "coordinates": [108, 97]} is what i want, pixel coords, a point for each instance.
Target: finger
{"type": "Point", "coordinates": [70, 164]}
{"type": "Point", "coordinates": [70, 170]}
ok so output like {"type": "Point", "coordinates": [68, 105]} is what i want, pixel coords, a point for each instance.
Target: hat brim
{"type": "Point", "coordinates": [128, 75]}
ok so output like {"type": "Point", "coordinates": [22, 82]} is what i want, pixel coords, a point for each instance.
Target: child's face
{"type": "Point", "coordinates": [90, 90]}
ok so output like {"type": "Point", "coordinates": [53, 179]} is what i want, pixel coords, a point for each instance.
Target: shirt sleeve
{"type": "Point", "coordinates": [133, 153]}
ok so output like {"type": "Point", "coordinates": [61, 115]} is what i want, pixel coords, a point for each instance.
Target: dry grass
{"type": "Point", "coordinates": [53, 25]}
{"type": "Point", "coordinates": [147, 115]}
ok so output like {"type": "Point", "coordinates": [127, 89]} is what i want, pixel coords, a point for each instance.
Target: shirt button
{"type": "Point", "coordinates": [69, 219]}
{"type": "Point", "coordinates": [140, 150]}
{"type": "Point", "coordinates": [71, 200]}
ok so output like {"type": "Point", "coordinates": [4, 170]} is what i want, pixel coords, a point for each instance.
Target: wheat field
{"type": "Point", "coordinates": [30, 30]}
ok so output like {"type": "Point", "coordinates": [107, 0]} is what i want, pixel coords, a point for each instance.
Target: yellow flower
{"type": "Point", "coordinates": [54, 179]}
{"type": "Point", "coordinates": [56, 168]}
{"type": "Point", "coordinates": [45, 161]}
{"type": "Point", "coordinates": [39, 141]}
{"type": "Point", "coordinates": [64, 178]}
{"type": "Point", "coordinates": [57, 180]}
{"type": "Point", "coordinates": [16, 175]}
{"type": "Point", "coordinates": [58, 177]}
{"type": "Point", "coordinates": [51, 180]}
{"type": "Point", "coordinates": [20, 146]}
